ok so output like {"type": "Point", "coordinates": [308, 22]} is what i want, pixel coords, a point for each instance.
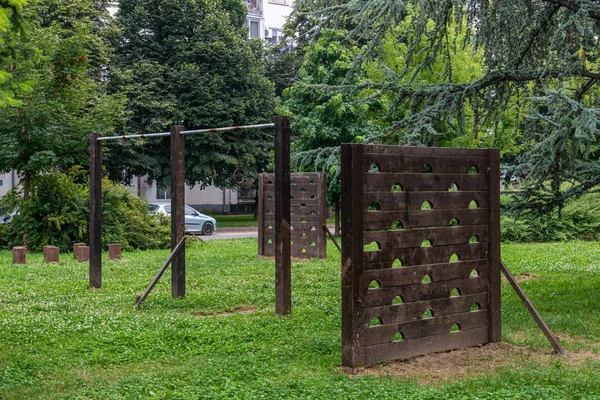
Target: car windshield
{"type": "Point", "coordinates": [189, 211]}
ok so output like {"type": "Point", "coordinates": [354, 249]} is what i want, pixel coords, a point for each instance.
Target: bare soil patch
{"type": "Point", "coordinates": [457, 365]}
{"type": "Point", "coordinates": [523, 277]}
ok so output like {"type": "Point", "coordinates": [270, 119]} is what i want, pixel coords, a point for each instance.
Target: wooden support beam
{"type": "Point", "coordinates": [51, 254]}
{"type": "Point", "coordinates": [326, 229]}
{"type": "Point", "coordinates": [140, 299]}
{"type": "Point", "coordinates": [536, 316]}
{"type": "Point", "coordinates": [283, 250]}
{"type": "Point", "coordinates": [494, 290]}
{"type": "Point", "coordinates": [177, 210]}
{"type": "Point", "coordinates": [95, 211]}
{"type": "Point", "coordinates": [114, 252]}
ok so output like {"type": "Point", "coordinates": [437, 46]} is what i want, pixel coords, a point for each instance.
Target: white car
{"type": "Point", "coordinates": [195, 222]}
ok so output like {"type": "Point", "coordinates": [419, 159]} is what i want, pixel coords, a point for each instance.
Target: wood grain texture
{"type": "Point", "coordinates": [420, 239]}
{"type": "Point", "coordinates": [177, 210]}
{"type": "Point", "coordinates": [95, 280]}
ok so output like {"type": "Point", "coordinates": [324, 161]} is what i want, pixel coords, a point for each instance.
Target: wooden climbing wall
{"type": "Point", "coordinates": [308, 191]}
{"type": "Point", "coordinates": [420, 251]}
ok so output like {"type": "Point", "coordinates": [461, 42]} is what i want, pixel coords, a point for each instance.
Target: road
{"type": "Point", "coordinates": [232, 233]}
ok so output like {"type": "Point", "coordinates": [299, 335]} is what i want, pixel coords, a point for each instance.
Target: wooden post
{"type": "Point", "coordinates": [51, 254]}
{"type": "Point", "coordinates": [95, 211]}
{"type": "Point", "coordinates": [83, 253]}
{"type": "Point", "coordinates": [322, 215]}
{"type": "Point", "coordinates": [114, 252]}
{"type": "Point", "coordinates": [75, 247]}
{"type": "Point", "coordinates": [19, 254]}
{"type": "Point", "coordinates": [352, 255]}
{"type": "Point", "coordinates": [177, 210]}
{"type": "Point", "coordinates": [261, 215]}
{"type": "Point", "coordinates": [495, 318]}
{"type": "Point", "coordinates": [283, 258]}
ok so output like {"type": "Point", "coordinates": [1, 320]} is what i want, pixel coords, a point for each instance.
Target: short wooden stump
{"type": "Point", "coordinates": [19, 255]}
{"type": "Point", "coordinates": [114, 252]}
{"type": "Point", "coordinates": [75, 247]}
{"type": "Point", "coordinates": [51, 254]}
{"type": "Point", "coordinates": [83, 253]}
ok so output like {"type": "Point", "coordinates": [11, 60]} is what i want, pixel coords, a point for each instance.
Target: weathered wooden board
{"type": "Point", "coordinates": [308, 214]}
{"type": "Point", "coordinates": [420, 243]}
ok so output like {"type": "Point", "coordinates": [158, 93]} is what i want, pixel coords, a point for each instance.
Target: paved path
{"type": "Point", "coordinates": [231, 233]}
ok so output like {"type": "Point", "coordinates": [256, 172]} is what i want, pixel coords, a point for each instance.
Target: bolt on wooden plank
{"type": "Point", "coordinates": [420, 251]}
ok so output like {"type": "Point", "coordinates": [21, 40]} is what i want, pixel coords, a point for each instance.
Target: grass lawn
{"type": "Point", "coordinates": [61, 340]}
{"type": "Point", "coordinates": [235, 221]}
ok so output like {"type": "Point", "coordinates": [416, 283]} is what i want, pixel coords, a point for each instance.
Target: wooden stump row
{"type": "Point", "coordinates": [81, 253]}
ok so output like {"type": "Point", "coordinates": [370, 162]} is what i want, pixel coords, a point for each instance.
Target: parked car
{"type": "Point", "coordinates": [195, 222]}
{"type": "Point", "coordinates": [6, 215]}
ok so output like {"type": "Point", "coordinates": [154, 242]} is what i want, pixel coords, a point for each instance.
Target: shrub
{"type": "Point", "coordinates": [580, 220]}
{"type": "Point", "coordinates": [58, 214]}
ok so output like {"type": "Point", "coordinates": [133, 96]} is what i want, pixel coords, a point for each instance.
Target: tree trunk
{"type": "Point", "coordinates": [26, 195]}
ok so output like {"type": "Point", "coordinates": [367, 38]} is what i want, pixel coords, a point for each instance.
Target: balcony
{"type": "Point", "coordinates": [254, 7]}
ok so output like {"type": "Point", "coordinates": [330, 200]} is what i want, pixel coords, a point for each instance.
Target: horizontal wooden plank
{"type": "Point", "coordinates": [419, 292]}
{"type": "Point", "coordinates": [295, 178]}
{"type": "Point", "coordinates": [314, 218]}
{"type": "Point", "coordinates": [431, 344]}
{"type": "Point", "coordinates": [303, 187]}
{"type": "Point", "coordinates": [448, 271]}
{"type": "Point", "coordinates": [305, 242]}
{"type": "Point", "coordinates": [413, 311]}
{"type": "Point", "coordinates": [269, 204]}
{"type": "Point", "coordinates": [383, 182]}
{"type": "Point", "coordinates": [417, 163]}
{"type": "Point", "coordinates": [424, 255]}
{"type": "Point", "coordinates": [306, 226]}
{"type": "Point", "coordinates": [422, 150]}
{"type": "Point", "coordinates": [381, 334]}
{"type": "Point", "coordinates": [414, 237]}
{"type": "Point", "coordinates": [381, 220]}
{"type": "Point", "coordinates": [414, 200]}
{"type": "Point", "coordinates": [300, 251]}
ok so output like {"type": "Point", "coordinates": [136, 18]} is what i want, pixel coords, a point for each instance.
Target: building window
{"type": "Point", "coordinates": [163, 194]}
{"type": "Point", "coordinates": [282, 2]}
{"type": "Point", "coordinates": [254, 29]}
{"type": "Point", "coordinates": [273, 35]}
{"type": "Point", "coordinates": [1, 182]}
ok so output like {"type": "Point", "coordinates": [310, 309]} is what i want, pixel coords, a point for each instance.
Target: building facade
{"type": "Point", "coordinates": [266, 18]}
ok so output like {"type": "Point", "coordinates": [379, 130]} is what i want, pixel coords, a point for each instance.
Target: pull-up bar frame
{"type": "Point", "coordinates": [177, 134]}
{"type": "Point", "coordinates": [209, 130]}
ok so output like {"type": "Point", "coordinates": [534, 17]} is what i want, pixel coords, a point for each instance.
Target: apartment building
{"type": "Point", "coordinates": [266, 18]}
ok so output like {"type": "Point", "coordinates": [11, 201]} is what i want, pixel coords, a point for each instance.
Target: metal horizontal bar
{"type": "Point", "coordinates": [209, 130]}
{"type": "Point", "coordinates": [229, 128]}
{"type": "Point", "coordinates": [143, 135]}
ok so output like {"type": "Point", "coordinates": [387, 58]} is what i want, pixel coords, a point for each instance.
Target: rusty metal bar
{"type": "Point", "coordinates": [534, 313]}
{"type": "Point", "coordinates": [208, 130]}
{"type": "Point", "coordinates": [140, 299]}
{"type": "Point", "coordinates": [332, 238]}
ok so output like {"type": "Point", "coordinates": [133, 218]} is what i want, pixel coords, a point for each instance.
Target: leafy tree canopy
{"type": "Point", "coordinates": [539, 79]}
{"type": "Point", "coordinates": [191, 62]}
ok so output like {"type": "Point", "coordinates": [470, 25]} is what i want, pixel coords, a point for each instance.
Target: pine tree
{"type": "Point", "coordinates": [541, 70]}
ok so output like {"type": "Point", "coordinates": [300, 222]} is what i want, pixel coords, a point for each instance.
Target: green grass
{"type": "Point", "coordinates": [235, 221]}
{"type": "Point", "coordinates": [61, 340]}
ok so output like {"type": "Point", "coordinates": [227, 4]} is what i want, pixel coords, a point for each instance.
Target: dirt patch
{"type": "Point", "coordinates": [523, 277]}
{"type": "Point", "coordinates": [239, 310]}
{"type": "Point", "coordinates": [457, 365]}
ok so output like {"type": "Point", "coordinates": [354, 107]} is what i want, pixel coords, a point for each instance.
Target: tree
{"type": "Point", "coordinates": [323, 120]}
{"type": "Point", "coordinates": [11, 28]}
{"type": "Point", "coordinates": [47, 127]}
{"type": "Point", "coordinates": [540, 72]}
{"type": "Point", "coordinates": [190, 62]}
